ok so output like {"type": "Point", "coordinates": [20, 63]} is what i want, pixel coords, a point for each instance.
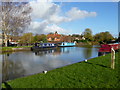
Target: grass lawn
{"type": "Point", "coordinates": [10, 48]}
{"type": "Point", "coordinates": [96, 73]}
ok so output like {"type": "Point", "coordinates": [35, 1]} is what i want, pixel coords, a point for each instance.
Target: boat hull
{"type": "Point", "coordinates": [66, 44]}
{"type": "Point", "coordinates": [106, 48]}
{"type": "Point", "coordinates": [42, 48]}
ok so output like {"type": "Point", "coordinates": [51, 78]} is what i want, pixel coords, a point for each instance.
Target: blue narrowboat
{"type": "Point", "coordinates": [42, 46]}
{"type": "Point", "coordinates": [66, 44]}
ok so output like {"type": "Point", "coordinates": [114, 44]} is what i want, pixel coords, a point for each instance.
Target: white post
{"type": "Point", "coordinates": [112, 58]}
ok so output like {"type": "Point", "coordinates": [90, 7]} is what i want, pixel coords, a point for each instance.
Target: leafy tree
{"type": "Point", "coordinates": [51, 33]}
{"type": "Point", "coordinates": [88, 34]}
{"type": "Point", "coordinates": [27, 38]}
{"type": "Point", "coordinates": [75, 35]}
{"type": "Point", "coordinates": [14, 18]}
{"type": "Point", "coordinates": [103, 37]}
{"type": "Point", "coordinates": [119, 37]}
{"type": "Point", "coordinates": [40, 38]}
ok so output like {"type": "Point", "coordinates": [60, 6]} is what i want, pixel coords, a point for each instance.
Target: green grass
{"type": "Point", "coordinates": [96, 73]}
{"type": "Point", "coordinates": [10, 48]}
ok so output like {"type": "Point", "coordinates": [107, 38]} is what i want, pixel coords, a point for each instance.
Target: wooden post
{"type": "Point", "coordinates": [112, 58]}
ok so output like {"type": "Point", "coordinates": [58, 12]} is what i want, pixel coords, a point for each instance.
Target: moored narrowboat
{"type": "Point", "coordinates": [66, 44]}
{"type": "Point", "coordinates": [42, 46]}
{"type": "Point", "coordinates": [106, 48]}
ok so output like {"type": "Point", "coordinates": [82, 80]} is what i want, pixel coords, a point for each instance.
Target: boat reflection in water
{"type": "Point", "coordinates": [53, 51]}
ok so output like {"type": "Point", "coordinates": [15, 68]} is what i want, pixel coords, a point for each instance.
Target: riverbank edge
{"type": "Point", "coordinates": [12, 49]}
{"type": "Point", "coordinates": [34, 79]}
{"type": "Point", "coordinates": [24, 48]}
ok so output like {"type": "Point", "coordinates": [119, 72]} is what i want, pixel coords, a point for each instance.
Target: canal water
{"type": "Point", "coordinates": [23, 63]}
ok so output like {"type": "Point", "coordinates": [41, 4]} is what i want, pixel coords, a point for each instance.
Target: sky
{"type": "Point", "coordinates": [74, 17]}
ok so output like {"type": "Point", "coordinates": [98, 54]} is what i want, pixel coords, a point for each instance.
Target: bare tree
{"type": "Point", "coordinates": [14, 18]}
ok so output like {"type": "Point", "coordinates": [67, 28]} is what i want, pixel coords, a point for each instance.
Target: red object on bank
{"type": "Point", "coordinates": [107, 47]}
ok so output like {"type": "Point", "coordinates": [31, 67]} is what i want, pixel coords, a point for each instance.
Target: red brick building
{"type": "Point", "coordinates": [54, 37]}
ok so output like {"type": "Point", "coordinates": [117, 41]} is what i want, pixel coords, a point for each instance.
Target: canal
{"type": "Point", "coordinates": [23, 63]}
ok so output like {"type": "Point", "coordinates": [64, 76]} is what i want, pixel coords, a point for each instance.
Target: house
{"type": "Point", "coordinates": [7, 42]}
{"type": "Point", "coordinates": [54, 37]}
{"type": "Point", "coordinates": [67, 39]}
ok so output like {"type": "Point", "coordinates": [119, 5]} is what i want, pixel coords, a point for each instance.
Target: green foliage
{"type": "Point", "coordinates": [96, 73]}
{"type": "Point", "coordinates": [40, 38]}
{"type": "Point", "coordinates": [27, 38]}
{"type": "Point", "coordinates": [88, 34]}
{"type": "Point", "coordinates": [9, 49]}
{"type": "Point", "coordinates": [119, 37]}
{"type": "Point", "coordinates": [76, 35]}
{"type": "Point", "coordinates": [103, 37]}
{"type": "Point", "coordinates": [78, 41]}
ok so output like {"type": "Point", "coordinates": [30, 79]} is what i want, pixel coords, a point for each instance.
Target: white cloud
{"type": "Point", "coordinates": [38, 27]}
{"type": "Point", "coordinates": [58, 19]}
{"type": "Point", "coordinates": [54, 28]}
{"type": "Point", "coordinates": [75, 13]}
{"type": "Point", "coordinates": [50, 13]}
{"type": "Point", "coordinates": [44, 10]}
{"type": "Point", "coordinates": [43, 27]}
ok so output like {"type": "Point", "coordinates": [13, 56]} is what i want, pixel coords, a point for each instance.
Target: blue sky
{"type": "Point", "coordinates": [106, 19]}
{"type": "Point", "coordinates": [74, 17]}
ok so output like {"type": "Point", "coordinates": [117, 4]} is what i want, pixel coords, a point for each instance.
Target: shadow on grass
{"type": "Point", "coordinates": [7, 85]}
{"type": "Point", "coordinates": [99, 65]}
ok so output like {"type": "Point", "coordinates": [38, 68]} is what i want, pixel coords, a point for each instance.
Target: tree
{"type": "Point", "coordinates": [88, 34]}
{"type": "Point", "coordinates": [103, 37]}
{"type": "Point", "coordinates": [27, 38]}
{"type": "Point", "coordinates": [14, 18]}
{"type": "Point", "coordinates": [76, 35]}
{"type": "Point", "coordinates": [51, 33]}
{"type": "Point", "coordinates": [40, 38]}
{"type": "Point", "coordinates": [119, 37]}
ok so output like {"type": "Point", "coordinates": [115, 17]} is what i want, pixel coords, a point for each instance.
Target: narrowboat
{"type": "Point", "coordinates": [43, 46]}
{"type": "Point", "coordinates": [66, 44]}
{"type": "Point", "coordinates": [106, 48]}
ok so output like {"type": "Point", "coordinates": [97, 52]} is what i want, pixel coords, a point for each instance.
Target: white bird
{"type": "Point", "coordinates": [45, 72]}
{"type": "Point", "coordinates": [86, 60]}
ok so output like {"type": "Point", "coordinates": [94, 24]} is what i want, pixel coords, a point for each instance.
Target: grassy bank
{"type": "Point", "coordinates": [8, 49]}
{"type": "Point", "coordinates": [96, 73]}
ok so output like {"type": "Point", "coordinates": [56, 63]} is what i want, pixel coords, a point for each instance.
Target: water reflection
{"type": "Point", "coordinates": [55, 51]}
{"type": "Point", "coordinates": [11, 69]}
{"type": "Point", "coordinates": [87, 52]}
{"type": "Point", "coordinates": [20, 64]}
{"type": "Point", "coordinates": [0, 70]}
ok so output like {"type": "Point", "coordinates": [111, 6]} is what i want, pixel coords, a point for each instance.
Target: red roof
{"type": "Point", "coordinates": [53, 36]}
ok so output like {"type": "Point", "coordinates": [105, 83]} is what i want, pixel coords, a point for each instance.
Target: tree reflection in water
{"type": "Point", "coordinates": [10, 68]}
{"type": "Point", "coordinates": [87, 52]}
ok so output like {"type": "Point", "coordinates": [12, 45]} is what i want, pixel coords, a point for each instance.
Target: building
{"type": "Point", "coordinates": [55, 37]}
{"type": "Point", "coordinates": [6, 42]}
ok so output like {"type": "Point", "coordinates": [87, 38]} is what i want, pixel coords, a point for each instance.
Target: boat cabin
{"type": "Point", "coordinates": [67, 44]}
{"type": "Point", "coordinates": [45, 44]}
